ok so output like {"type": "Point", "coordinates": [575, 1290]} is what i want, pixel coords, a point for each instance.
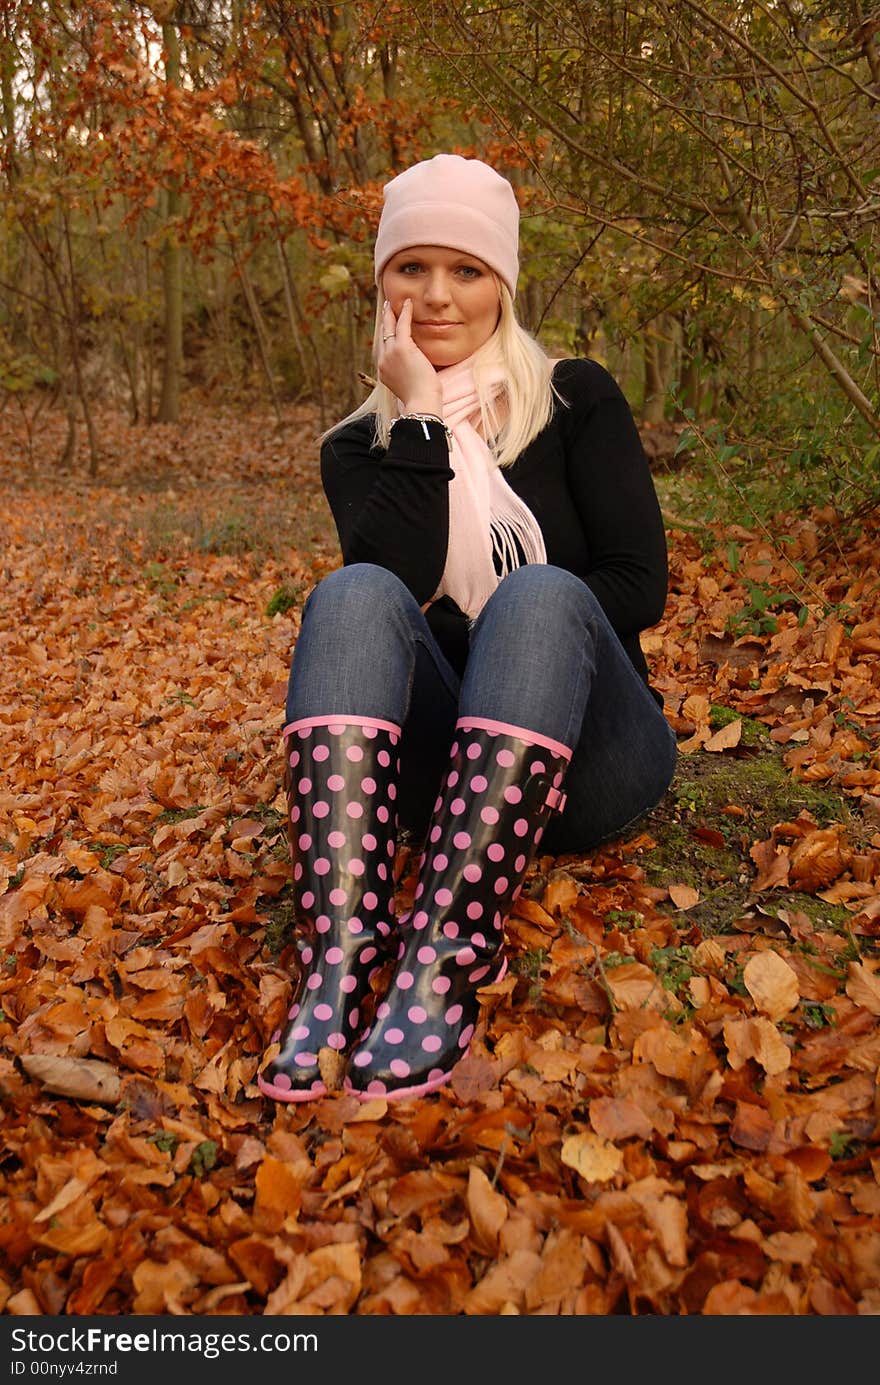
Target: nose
{"type": "Point", "coordinates": [437, 286]}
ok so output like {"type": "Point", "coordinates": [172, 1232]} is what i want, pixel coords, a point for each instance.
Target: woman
{"type": "Point", "coordinates": [479, 649]}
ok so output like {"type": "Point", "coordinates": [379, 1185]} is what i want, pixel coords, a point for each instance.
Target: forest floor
{"type": "Point", "coordinates": [671, 1104]}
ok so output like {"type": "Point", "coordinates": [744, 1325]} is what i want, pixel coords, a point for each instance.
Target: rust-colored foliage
{"type": "Point", "coordinates": [619, 1138]}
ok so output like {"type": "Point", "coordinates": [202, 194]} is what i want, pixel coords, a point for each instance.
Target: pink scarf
{"type": "Point", "coordinates": [486, 517]}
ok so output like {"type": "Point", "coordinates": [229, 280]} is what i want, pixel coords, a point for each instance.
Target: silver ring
{"type": "Point", "coordinates": [389, 336]}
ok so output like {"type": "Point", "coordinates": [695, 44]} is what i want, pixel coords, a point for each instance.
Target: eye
{"type": "Point", "coordinates": [409, 267]}
{"type": "Point", "coordinates": [470, 271]}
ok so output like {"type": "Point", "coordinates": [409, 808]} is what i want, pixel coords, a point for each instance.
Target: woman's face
{"type": "Point", "coordinates": [455, 300]}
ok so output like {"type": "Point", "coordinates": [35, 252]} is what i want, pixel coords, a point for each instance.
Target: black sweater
{"type": "Point", "coordinates": [585, 477]}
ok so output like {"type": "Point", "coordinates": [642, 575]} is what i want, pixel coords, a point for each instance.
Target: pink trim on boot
{"type": "Point", "coordinates": [306, 723]}
{"type": "Point", "coordinates": [504, 728]}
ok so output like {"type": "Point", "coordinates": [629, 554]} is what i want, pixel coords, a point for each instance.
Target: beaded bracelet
{"type": "Point", "coordinates": [424, 420]}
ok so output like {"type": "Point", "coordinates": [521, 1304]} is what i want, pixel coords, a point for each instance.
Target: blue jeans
{"type": "Point", "coordinates": [542, 656]}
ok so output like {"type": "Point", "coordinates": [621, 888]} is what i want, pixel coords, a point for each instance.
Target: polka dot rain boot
{"type": "Point", "coordinates": [340, 780]}
{"type": "Point", "coordinates": [502, 784]}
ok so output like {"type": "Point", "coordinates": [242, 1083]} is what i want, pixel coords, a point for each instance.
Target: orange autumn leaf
{"type": "Point", "coordinates": [772, 984]}
{"type": "Point", "coordinates": [758, 1039]}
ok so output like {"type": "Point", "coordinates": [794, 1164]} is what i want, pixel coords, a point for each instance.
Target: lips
{"type": "Point", "coordinates": [429, 322]}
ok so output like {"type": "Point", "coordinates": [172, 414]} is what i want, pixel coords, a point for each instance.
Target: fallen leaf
{"type": "Point", "coordinates": [593, 1158]}
{"type": "Point", "coordinates": [83, 1079]}
{"type": "Point", "coordinates": [772, 984]}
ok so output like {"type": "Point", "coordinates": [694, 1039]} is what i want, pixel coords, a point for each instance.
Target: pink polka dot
{"type": "Point", "coordinates": [348, 984]}
{"type": "Point", "coordinates": [355, 926]}
{"type": "Point", "coordinates": [417, 1014]}
{"type": "Point", "coordinates": [302, 1031]}
{"type": "Point", "coordinates": [361, 1059]}
{"type": "Point", "coordinates": [356, 866]}
{"type": "Point", "coordinates": [426, 955]}
{"type": "Point", "coordinates": [304, 732]}
{"type": "Point", "coordinates": [462, 840]}
{"type": "Point", "coordinates": [321, 752]}
{"type": "Point", "coordinates": [472, 874]}
{"type": "Point", "coordinates": [392, 792]}
{"type": "Point", "coordinates": [521, 827]}
{"type": "Point", "coordinates": [305, 841]}
{"type": "Point", "coordinates": [394, 1036]}
{"type": "Point", "coordinates": [295, 814]}
{"type": "Point", "coordinates": [338, 897]}
{"type": "Point", "coordinates": [431, 1043]}
{"type": "Point", "coordinates": [495, 851]}
{"type": "Point", "coordinates": [457, 806]}
{"type": "Point", "coordinates": [513, 794]}
{"type": "Point", "coordinates": [479, 783]}
{"type": "Point", "coordinates": [383, 928]}
{"type": "Point", "coordinates": [474, 910]}
{"type": "Point", "coordinates": [465, 956]}
{"type": "Point", "coordinates": [354, 753]}
{"type": "Point", "coordinates": [489, 815]}
{"type": "Point", "coordinates": [371, 732]}
{"type": "Point", "coordinates": [282, 1082]}
{"type": "Point", "coordinates": [336, 839]}
{"type": "Point", "coordinates": [368, 785]}
{"type": "Point", "coordinates": [465, 1036]}
{"type": "Point", "coordinates": [399, 1067]}
{"type": "Point", "coordinates": [305, 1060]}
{"type": "Point", "coordinates": [452, 779]}
{"type": "Point", "coordinates": [438, 805]}
{"type": "Point", "coordinates": [370, 900]}
{"type": "Point", "coordinates": [354, 810]}
{"type": "Point", "coordinates": [334, 956]}
{"type": "Point", "coordinates": [353, 1017]}
{"type": "Point", "coordinates": [294, 759]}
{"type": "Point", "coordinates": [323, 1012]}
{"type": "Point", "coordinates": [537, 767]}
{"type": "Point", "coordinates": [314, 981]}
{"type": "Point", "coordinates": [519, 864]}
{"type": "Point", "coordinates": [291, 1014]}
{"type": "Point", "coordinates": [475, 976]}
{"type": "Point", "coordinates": [320, 809]}
{"type": "Point", "coordinates": [440, 985]}
{"type": "Point", "coordinates": [336, 1040]}
{"type": "Point", "coordinates": [420, 890]}
{"type": "Point", "coordinates": [382, 813]}
{"type": "Point", "coordinates": [501, 884]}
{"type": "Point", "coordinates": [298, 871]}
{"type": "Point", "coordinates": [383, 1010]}
{"type": "Point", "coordinates": [382, 871]}
{"type": "Point", "coordinates": [443, 897]}
{"type": "Point", "coordinates": [306, 955]}
{"type": "Point", "coordinates": [368, 842]}
{"type": "Point", "coordinates": [478, 940]}
{"type": "Point", "coordinates": [404, 980]}
{"type": "Point", "coordinates": [453, 1014]}
{"type": "Point", "coordinates": [393, 737]}
{"type": "Point", "coordinates": [304, 785]}
{"type": "Point", "coordinates": [322, 923]}
{"type": "Point", "coordinates": [336, 728]}
{"type": "Point", "coordinates": [384, 758]}
{"type": "Point", "coordinates": [389, 848]}
{"type": "Point", "coordinates": [474, 750]}
{"type": "Point", "coordinates": [420, 919]}
{"type": "Point", "coordinates": [440, 861]}
{"type": "Point", "coordinates": [506, 758]}
{"type": "Point", "coordinates": [367, 954]}
{"type": "Point", "coordinates": [558, 778]}
{"type": "Point", "coordinates": [450, 929]}
{"type": "Point", "coordinates": [436, 833]}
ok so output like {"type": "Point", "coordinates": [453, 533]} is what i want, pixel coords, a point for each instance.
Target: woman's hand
{"type": "Point", "coordinates": [403, 367]}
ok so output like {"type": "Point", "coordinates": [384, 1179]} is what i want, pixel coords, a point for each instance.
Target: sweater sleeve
{"type": "Point", "coordinates": [391, 507]}
{"type": "Point", "coordinates": [610, 481]}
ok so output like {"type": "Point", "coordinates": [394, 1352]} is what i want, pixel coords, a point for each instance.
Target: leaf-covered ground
{"type": "Point", "coordinates": [672, 1104]}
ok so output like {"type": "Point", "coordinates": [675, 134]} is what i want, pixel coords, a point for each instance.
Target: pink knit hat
{"type": "Point", "coordinates": [461, 204]}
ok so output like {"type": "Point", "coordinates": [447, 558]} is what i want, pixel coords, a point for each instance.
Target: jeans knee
{"type": "Point", "coordinates": [357, 593]}
{"type": "Point", "coordinates": [546, 596]}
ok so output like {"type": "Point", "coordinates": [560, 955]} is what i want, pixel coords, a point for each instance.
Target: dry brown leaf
{"type": "Point", "coordinates": [863, 987]}
{"type": "Point", "coordinates": [617, 1118]}
{"type": "Point", "coordinates": [487, 1209]}
{"type": "Point", "coordinates": [819, 858]}
{"type": "Point", "coordinates": [758, 1039]}
{"type": "Point", "coordinates": [595, 1159]}
{"type": "Point", "coordinates": [684, 896]}
{"type": "Point", "coordinates": [772, 984]}
{"type": "Point", "coordinates": [727, 738]}
{"type": "Point", "coordinates": [83, 1079]}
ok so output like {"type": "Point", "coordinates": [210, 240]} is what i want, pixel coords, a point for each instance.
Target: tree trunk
{"type": "Point", "coordinates": [655, 389]}
{"type": "Point", "coordinates": [172, 275]}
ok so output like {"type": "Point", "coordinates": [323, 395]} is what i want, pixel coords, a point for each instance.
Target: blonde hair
{"type": "Point", "coordinates": [526, 402]}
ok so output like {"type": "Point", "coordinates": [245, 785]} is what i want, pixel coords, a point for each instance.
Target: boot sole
{"type": "Point", "coordinates": [278, 1093]}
